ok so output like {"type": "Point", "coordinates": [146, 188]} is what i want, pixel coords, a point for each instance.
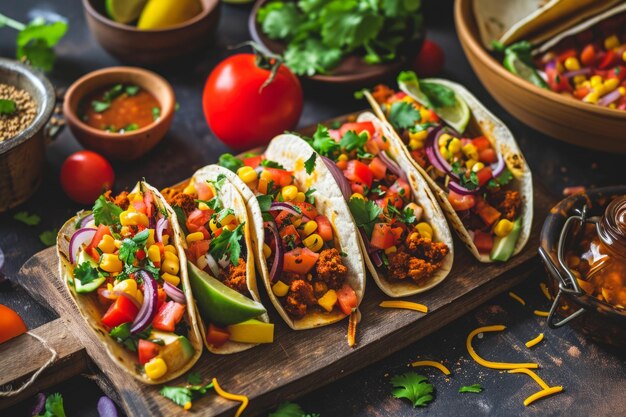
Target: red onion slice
{"type": "Point", "coordinates": [85, 220]}
{"type": "Point", "coordinates": [609, 98]}
{"type": "Point", "coordinates": [79, 238]}
{"type": "Point", "coordinates": [150, 301]}
{"type": "Point", "coordinates": [161, 225]}
{"type": "Point", "coordinates": [459, 189]}
{"type": "Point", "coordinates": [174, 293]}
{"type": "Point", "coordinates": [571, 74]}
{"type": "Point", "coordinates": [391, 165]}
{"type": "Point", "coordinates": [340, 179]}
{"type": "Point", "coordinates": [106, 407]}
{"type": "Point", "coordinates": [1, 258]}
{"type": "Point", "coordinates": [498, 167]}
{"type": "Point", "coordinates": [373, 253]}
{"type": "Point", "coordinates": [283, 206]}
{"type": "Point", "coordinates": [277, 265]}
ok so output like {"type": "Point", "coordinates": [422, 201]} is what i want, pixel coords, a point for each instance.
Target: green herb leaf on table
{"type": "Point", "coordinates": [229, 161]}
{"type": "Point", "coordinates": [49, 237]}
{"type": "Point", "coordinates": [7, 107]}
{"type": "Point", "coordinates": [289, 409]}
{"type": "Point", "coordinates": [403, 115]}
{"type": "Point", "coordinates": [474, 388]}
{"type": "Point", "coordinates": [309, 164]}
{"type": "Point", "coordinates": [36, 40]}
{"type": "Point", "coordinates": [27, 219]}
{"type": "Point", "coordinates": [194, 378]}
{"type": "Point", "coordinates": [365, 214]}
{"type": "Point", "coordinates": [53, 406]}
{"type": "Point", "coordinates": [184, 395]}
{"type": "Point", "coordinates": [227, 243]}
{"type": "Point", "coordinates": [413, 387]}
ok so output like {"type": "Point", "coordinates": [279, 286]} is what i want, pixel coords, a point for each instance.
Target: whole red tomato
{"type": "Point", "coordinates": [241, 112]}
{"type": "Point", "coordinates": [430, 60]}
{"type": "Point", "coordinates": [85, 175]}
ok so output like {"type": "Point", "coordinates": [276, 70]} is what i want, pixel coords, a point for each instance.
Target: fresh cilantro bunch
{"type": "Point", "coordinates": [318, 33]}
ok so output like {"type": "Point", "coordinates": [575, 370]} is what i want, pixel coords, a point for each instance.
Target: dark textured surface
{"type": "Point", "coordinates": [594, 377]}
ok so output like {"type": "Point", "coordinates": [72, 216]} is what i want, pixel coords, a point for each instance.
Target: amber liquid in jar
{"type": "Point", "coordinates": [599, 260]}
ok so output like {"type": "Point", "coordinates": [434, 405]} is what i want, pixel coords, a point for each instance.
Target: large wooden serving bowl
{"type": "Point", "coordinates": [562, 117]}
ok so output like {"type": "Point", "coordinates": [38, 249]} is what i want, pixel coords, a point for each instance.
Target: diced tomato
{"type": "Point", "coordinates": [203, 190]}
{"type": "Point", "coordinates": [397, 97]}
{"type": "Point", "coordinates": [121, 311]}
{"type": "Point", "coordinates": [419, 158]}
{"type": "Point", "coordinates": [433, 116]}
{"type": "Point", "coordinates": [334, 133]}
{"type": "Point", "coordinates": [197, 249]}
{"type": "Point", "coordinates": [216, 336]}
{"type": "Point", "coordinates": [342, 165]}
{"type": "Point", "coordinates": [484, 175]}
{"type": "Point", "coordinates": [346, 298]}
{"type": "Point", "coordinates": [481, 143]}
{"type": "Point", "coordinates": [289, 230]}
{"type": "Point", "coordinates": [358, 127]}
{"type": "Point", "coordinates": [609, 60]}
{"type": "Point", "coordinates": [148, 200]}
{"type": "Point", "coordinates": [382, 236]}
{"type": "Point", "coordinates": [397, 233]}
{"type": "Point", "coordinates": [487, 156]}
{"type": "Point", "coordinates": [581, 92]}
{"type": "Point", "coordinates": [556, 81]}
{"type": "Point", "coordinates": [358, 171]}
{"type": "Point", "coordinates": [161, 297]}
{"type": "Point", "coordinates": [402, 188]}
{"type": "Point", "coordinates": [568, 53]}
{"type": "Point", "coordinates": [197, 219]}
{"type": "Point", "coordinates": [324, 228]}
{"type": "Point", "coordinates": [357, 187]}
{"type": "Point", "coordinates": [487, 212]}
{"type": "Point", "coordinates": [105, 301]}
{"type": "Point", "coordinates": [147, 350]}
{"type": "Point", "coordinates": [283, 217]}
{"type": "Point", "coordinates": [140, 254]}
{"type": "Point", "coordinates": [381, 141]}
{"type": "Point", "coordinates": [140, 206]}
{"type": "Point", "coordinates": [390, 198]}
{"type": "Point", "coordinates": [483, 241]}
{"type": "Point", "coordinates": [218, 232]}
{"type": "Point", "coordinates": [280, 176]}
{"type": "Point", "coordinates": [378, 168]}
{"type": "Point", "coordinates": [169, 315]}
{"type": "Point", "coordinates": [588, 55]}
{"type": "Point", "coordinates": [91, 249]}
{"type": "Point", "coordinates": [307, 209]}
{"type": "Point", "coordinates": [461, 202]}
{"type": "Point", "coordinates": [299, 260]}
{"type": "Point", "coordinates": [253, 161]}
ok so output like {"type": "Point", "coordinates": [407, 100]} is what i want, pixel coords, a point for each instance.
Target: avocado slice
{"type": "Point", "coordinates": [93, 285]}
{"type": "Point", "coordinates": [503, 246]}
{"type": "Point", "coordinates": [177, 353]}
{"type": "Point", "coordinates": [252, 331]}
{"type": "Point", "coordinates": [218, 303]}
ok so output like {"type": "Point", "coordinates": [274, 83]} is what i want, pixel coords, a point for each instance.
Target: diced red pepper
{"type": "Point", "coordinates": [484, 175]}
{"type": "Point", "coordinates": [358, 127]}
{"type": "Point", "coordinates": [280, 176]}
{"type": "Point", "coordinates": [121, 311]}
{"type": "Point", "coordinates": [253, 161]}
{"type": "Point", "coordinates": [197, 249]}
{"type": "Point", "coordinates": [609, 60]}
{"type": "Point", "coordinates": [481, 143]}
{"type": "Point", "coordinates": [588, 55]}
{"type": "Point", "coordinates": [358, 171]}
{"type": "Point", "coordinates": [91, 249]}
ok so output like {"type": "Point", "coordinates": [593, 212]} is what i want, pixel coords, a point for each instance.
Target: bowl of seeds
{"type": "Point", "coordinates": [26, 104]}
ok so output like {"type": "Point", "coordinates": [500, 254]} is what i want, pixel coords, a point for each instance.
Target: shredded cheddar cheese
{"type": "Point", "coordinates": [541, 313]}
{"type": "Point", "coordinates": [544, 290]}
{"type": "Point", "coordinates": [489, 364]}
{"type": "Point", "coordinates": [404, 304]}
{"type": "Point", "coordinates": [352, 328]}
{"type": "Point", "coordinates": [541, 394]}
{"type": "Point", "coordinates": [434, 364]}
{"type": "Point", "coordinates": [517, 298]}
{"type": "Point", "coordinates": [534, 341]}
{"type": "Point", "coordinates": [233, 397]}
{"type": "Point", "coordinates": [531, 374]}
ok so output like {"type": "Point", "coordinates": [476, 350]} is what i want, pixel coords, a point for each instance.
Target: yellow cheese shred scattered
{"type": "Point", "coordinates": [541, 313]}
{"type": "Point", "coordinates": [517, 298]}
{"type": "Point", "coordinates": [434, 364]}
{"type": "Point", "coordinates": [404, 304]}
{"type": "Point", "coordinates": [352, 322]}
{"type": "Point", "coordinates": [531, 374]}
{"type": "Point", "coordinates": [489, 364]}
{"type": "Point", "coordinates": [541, 394]}
{"type": "Point", "coordinates": [534, 341]}
{"type": "Point", "coordinates": [544, 290]}
{"type": "Point", "coordinates": [234, 397]}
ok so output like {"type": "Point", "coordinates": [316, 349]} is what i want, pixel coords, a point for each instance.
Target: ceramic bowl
{"type": "Point", "coordinates": [130, 145]}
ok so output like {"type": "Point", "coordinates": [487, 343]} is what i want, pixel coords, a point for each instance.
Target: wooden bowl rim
{"type": "Point", "coordinates": [469, 38]}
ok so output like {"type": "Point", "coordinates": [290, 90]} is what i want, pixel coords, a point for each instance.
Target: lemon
{"type": "Point", "coordinates": [124, 11]}
{"type": "Point", "coordinates": [160, 14]}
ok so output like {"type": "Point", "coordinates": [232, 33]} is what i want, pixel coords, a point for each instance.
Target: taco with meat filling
{"type": "Point", "coordinates": [123, 266]}
{"type": "Point", "coordinates": [405, 239]}
{"type": "Point", "coordinates": [306, 242]}
{"type": "Point", "coordinates": [215, 233]}
{"type": "Point", "coordinates": [468, 157]}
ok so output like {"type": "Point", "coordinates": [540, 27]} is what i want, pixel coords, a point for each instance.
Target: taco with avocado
{"type": "Point", "coordinates": [123, 265]}
{"type": "Point", "coordinates": [468, 157]}
{"type": "Point", "coordinates": [306, 243]}
{"type": "Point", "coordinates": [216, 235]}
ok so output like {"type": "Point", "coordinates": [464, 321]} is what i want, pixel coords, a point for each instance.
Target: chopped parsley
{"type": "Point", "coordinates": [129, 248]}
{"type": "Point", "coordinates": [53, 406]}
{"type": "Point", "coordinates": [271, 164]}
{"type": "Point", "coordinates": [48, 237]}
{"type": "Point", "coordinates": [501, 180]}
{"type": "Point", "coordinates": [470, 183]}
{"type": "Point", "coordinates": [406, 216]}
{"type": "Point", "coordinates": [156, 113]}
{"type": "Point", "coordinates": [265, 202]}
{"type": "Point", "coordinates": [309, 197]}
{"type": "Point", "coordinates": [351, 141]}
{"type": "Point", "coordinates": [132, 90]}
{"type": "Point", "coordinates": [323, 143]}
{"type": "Point", "coordinates": [413, 387]}
{"type": "Point", "coordinates": [85, 272]}
{"type": "Point", "coordinates": [184, 395]}
{"type": "Point", "coordinates": [289, 409]}
{"type": "Point", "coordinates": [123, 336]}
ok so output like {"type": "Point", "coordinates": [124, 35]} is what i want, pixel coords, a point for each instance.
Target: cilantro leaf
{"type": "Point", "coordinates": [182, 218]}
{"type": "Point", "coordinates": [100, 106]}
{"type": "Point", "coordinates": [265, 202]}
{"type": "Point", "coordinates": [501, 180]}
{"type": "Point", "coordinates": [309, 197]}
{"type": "Point", "coordinates": [7, 107]}
{"type": "Point", "coordinates": [48, 237]}
{"type": "Point", "coordinates": [86, 273]}
{"type": "Point", "coordinates": [311, 56]}
{"type": "Point", "coordinates": [309, 164]}
{"type": "Point", "coordinates": [27, 219]}
{"type": "Point", "coordinates": [413, 387]}
{"type": "Point", "coordinates": [438, 95]}
{"type": "Point", "coordinates": [194, 378]}
{"type": "Point", "coordinates": [122, 335]}
{"type": "Point", "coordinates": [129, 248]}
{"type": "Point", "coordinates": [178, 395]}
{"type": "Point", "coordinates": [351, 141]}
{"type": "Point", "coordinates": [406, 216]}
{"type": "Point", "coordinates": [289, 409]}
{"type": "Point", "coordinates": [227, 243]}
{"type": "Point", "coordinates": [403, 115]}
{"type": "Point", "coordinates": [53, 406]}
{"type": "Point", "coordinates": [475, 388]}
{"type": "Point", "coordinates": [280, 20]}
{"type": "Point", "coordinates": [364, 213]}
{"type": "Point", "coordinates": [156, 113]}
{"type": "Point", "coordinates": [132, 90]}
{"type": "Point", "coordinates": [229, 161]}
{"type": "Point", "coordinates": [323, 143]}
{"type": "Point", "coordinates": [36, 40]}
{"type": "Point", "coordinates": [271, 164]}
{"type": "Point", "coordinates": [106, 212]}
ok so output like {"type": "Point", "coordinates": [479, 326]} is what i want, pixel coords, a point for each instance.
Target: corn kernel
{"type": "Point", "coordinates": [595, 80]}
{"type": "Point", "coordinates": [169, 266]}
{"type": "Point", "coordinates": [169, 248]}
{"type": "Point", "coordinates": [267, 251]}
{"type": "Point", "coordinates": [610, 84]}
{"type": "Point", "coordinates": [202, 206]}
{"type": "Point", "coordinates": [579, 79]}
{"type": "Point", "coordinates": [172, 256]}
{"type": "Point", "coordinates": [624, 56]}
{"type": "Point", "coordinates": [155, 368]}
{"type": "Point", "coordinates": [226, 218]}
{"type": "Point", "coordinates": [139, 297]}
{"type": "Point", "coordinates": [612, 105]}
{"type": "Point", "coordinates": [111, 263]}
{"type": "Point", "coordinates": [342, 157]}
{"type": "Point", "coordinates": [503, 227]}
{"type": "Point", "coordinates": [419, 136]}
{"type": "Point", "coordinates": [187, 406]}
{"type": "Point", "coordinates": [262, 186]}
{"type": "Point", "coordinates": [300, 197]}
{"type": "Point", "coordinates": [443, 139]}
{"type": "Point", "coordinates": [190, 188]}
{"type": "Point", "coordinates": [230, 227]}
{"type": "Point", "coordinates": [444, 152]}
{"type": "Point", "coordinates": [309, 227]}
{"type": "Point", "coordinates": [455, 145]}
{"type": "Point", "coordinates": [194, 237]}
{"type": "Point", "coordinates": [357, 195]}
{"type": "Point", "coordinates": [172, 279]}
{"type": "Point", "coordinates": [478, 166]}
{"type": "Point", "coordinates": [314, 242]}
{"type": "Point", "coordinates": [470, 163]}
{"type": "Point", "coordinates": [470, 151]}
{"type": "Point", "coordinates": [328, 300]}
{"type": "Point", "coordinates": [611, 42]}
{"type": "Point", "coordinates": [572, 64]}
{"type": "Point", "coordinates": [266, 175]}
{"type": "Point", "coordinates": [622, 91]}
{"type": "Point", "coordinates": [391, 249]}
{"type": "Point", "coordinates": [165, 239]}
{"type": "Point", "coordinates": [425, 230]}
{"type": "Point", "coordinates": [280, 289]}
{"type": "Point", "coordinates": [128, 286]}
{"type": "Point", "coordinates": [592, 97]}
{"type": "Point", "coordinates": [424, 114]}
{"type": "Point", "coordinates": [133, 219]}
{"type": "Point", "coordinates": [154, 254]}
{"type": "Point", "coordinates": [247, 174]}
{"type": "Point", "coordinates": [213, 225]}
{"type": "Point", "coordinates": [415, 144]}
{"type": "Point", "coordinates": [107, 244]}
{"type": "Point", "coordinates": [289, 192]}
{"type": "Point", "coordinates": [150, 240]}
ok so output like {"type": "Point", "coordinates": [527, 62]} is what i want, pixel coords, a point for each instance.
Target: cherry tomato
{"type": "Point", "coordinates": [85, 175]}
{"type": "Point", "coordinates": [430, 60]}
{"type": "Point", "coordinates": [11, 324]}
{"type": "Point", "coordinates": [241, 111]}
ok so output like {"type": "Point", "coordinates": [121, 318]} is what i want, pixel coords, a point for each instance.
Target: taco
{"type": "Point", "coordinates": [468, 157]}
{"type": "Point", "coordinates": [403, 233]}
{"type": "Point", "coordinates": [306, 242]}
{"type": "Point", "coordinates": [121, 264]}
{"type": "Point", "coordinates": [215, 232]}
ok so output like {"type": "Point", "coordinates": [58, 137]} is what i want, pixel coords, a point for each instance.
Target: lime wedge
{"type": "Point", "coordinates": [515, 65]}
{"type": "Point", "coordinates": [218, 303]}
{"type": "Point", "coordinates": [124, 11]}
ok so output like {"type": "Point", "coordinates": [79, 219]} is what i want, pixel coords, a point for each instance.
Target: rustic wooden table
{"type": "Point", "coordinates": [594, 376]}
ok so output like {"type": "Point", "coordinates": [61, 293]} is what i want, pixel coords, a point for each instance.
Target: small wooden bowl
{"type": "Point", "coordinates": [126, 146]}
{"type": "Point", "coordinates": [562, 117]}
{"type": "Point", "coordinates": [152, 47]}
